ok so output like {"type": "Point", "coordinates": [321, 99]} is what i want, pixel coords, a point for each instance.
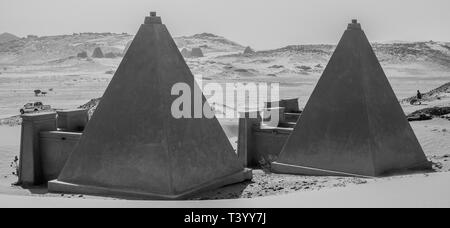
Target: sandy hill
{"type": "Point", "coordinates": [307, 59]}
{"type": "Point", "coordinates": [224, 58]}
{"type": "Point", "coordinates": [51, 49]}
{"type": "Point", "coordinates": [6, 37]}
{"type": "Point", "coordinates": [440, 93]}
{"type": "Point", "coordinates": [209, 43]}
{"type": "Point", "coordinates": [432, 53]}
{"type": "Point", "coordinates": [38, 50]}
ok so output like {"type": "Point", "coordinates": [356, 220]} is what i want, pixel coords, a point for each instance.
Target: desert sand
{"type": "Point", "coordinates": [421, 190]}
{"type": "Point", "coordinates": [433, 136]}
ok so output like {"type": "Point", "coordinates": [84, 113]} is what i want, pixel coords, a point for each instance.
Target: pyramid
{"type": "Point", "coordinates": [126, 47]}
{"type": "Point", "coordinates": [197, 53]}
{"type": "Point", "coordinates": [185, 53]}
{"type": "Point", "coordinates": [353, 123]}
{"type": "Point", "coordinates": [98, 53]}
{"type": "Point", "coordinates": [249, 51]}
{"type": "Point", "coordinates": [133, 147]}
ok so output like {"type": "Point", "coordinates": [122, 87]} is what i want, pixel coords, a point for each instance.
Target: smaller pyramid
{"type": "Point", "coordinates": [353, 123]}
{"type": "Point", "coordinates": [249, 51]}
{"type": "Point", "coordinates": [197, 53]}
{"type": "Point", "coordinates": [186, 53]}
{"type": "Point", "coordinates": [98, 53]}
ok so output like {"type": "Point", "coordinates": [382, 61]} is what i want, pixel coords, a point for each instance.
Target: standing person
{"type": "Point", "coordinates": [419, 95]}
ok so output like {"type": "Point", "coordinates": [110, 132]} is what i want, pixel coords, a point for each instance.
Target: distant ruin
{"type": "Point", "coordinates": [82, 55]}
{"type": "Point", "coordinates": [186, 53]}
{"type": "Point", "coordinates": [98, 53]}
{"type": "Point", "coordinates": [194, 53]}
{"type": "Point", "coordinates": [197, 53]}
{"type": "Point", "coordinates": [249, 51]}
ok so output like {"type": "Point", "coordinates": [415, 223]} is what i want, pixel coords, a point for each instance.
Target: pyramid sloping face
{"type": "Point", "coordinates": [132, 143]}
{"type": "Point", "coordinates": [353, 123]}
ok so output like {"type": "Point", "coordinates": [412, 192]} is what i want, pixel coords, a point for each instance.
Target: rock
{"type": "Point", "coordinates": [82, 55]}
{"type": "Point", "coordinates": [419, 117]}
{"type": "Point", "coordinates": [276, 67]}
{"type": "Point", "coordinates": [197, 53]}
{"type": "Point", "coordinates": [241, 70]}
{"type": "Point", "coordinates": [249, 51]}
{"type": "Point", "coordinates": [304, 68]}
{"type": "Point", "coordinates": [98, 53]}
{"type": "Point", "coordinates": [428, 113]}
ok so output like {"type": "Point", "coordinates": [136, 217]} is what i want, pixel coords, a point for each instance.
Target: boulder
{"type": "Point", "coordinates": [419, 117]}
{"type": "Point", "coordinates": [428, 113]}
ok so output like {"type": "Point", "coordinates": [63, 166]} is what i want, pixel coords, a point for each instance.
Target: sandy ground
{"type": "Point", "coordinates": [65, 91]}
{"type": "Point", "coordinates": [422, 190]}
{"type": "Point", "coordinates": [433, 136]}
{"type": "Point", "coordinates": [69, 90]}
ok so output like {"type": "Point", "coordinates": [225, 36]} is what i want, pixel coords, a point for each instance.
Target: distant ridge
{"type": "Point", "coordinates": [208, 42]}
{"type": "Point", "coordinates": [47, 49]}
{"type": "Point", "coordinates": [6, 37]}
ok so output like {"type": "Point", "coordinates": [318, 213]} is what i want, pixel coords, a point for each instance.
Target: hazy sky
{"type": "Point", "coordinates": [262, 24]}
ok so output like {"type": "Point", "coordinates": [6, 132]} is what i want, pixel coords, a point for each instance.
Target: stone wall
{"type": "Point", "coordinates": [259, 141]}
{"type": "Point", "coordinates": [47, 140]}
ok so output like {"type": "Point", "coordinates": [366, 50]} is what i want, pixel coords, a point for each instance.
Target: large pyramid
{"type": "Point", "coordinates": [134, 147]}
{"type": "Point", "coordinates": [353, 123]}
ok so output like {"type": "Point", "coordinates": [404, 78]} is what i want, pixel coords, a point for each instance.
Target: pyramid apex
{"type": "Point", "coordinates": [153, 19]}
{"type": "Point", "coordinates": [354, 25]}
